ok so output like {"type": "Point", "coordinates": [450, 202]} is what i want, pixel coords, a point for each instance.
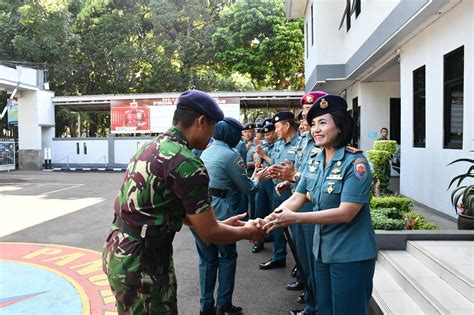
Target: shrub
{"type": "Point", "coordinates": [402, 203]}
{"type": "Point", "coordinates": [416, 221]}
{"type": "Point", "coordinates": [391, 213]}
{"type": "Point", "coordinates": [389, 146]}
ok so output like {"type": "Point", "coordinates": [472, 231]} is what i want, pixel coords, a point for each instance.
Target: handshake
{"type": "Point", "coordinates": [257, 228]}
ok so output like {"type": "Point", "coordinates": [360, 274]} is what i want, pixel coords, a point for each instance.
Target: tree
{"type": "Point", "coordinates": [255, 38]}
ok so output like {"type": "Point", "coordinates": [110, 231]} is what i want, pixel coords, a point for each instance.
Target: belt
{"type": "Point", "coordinates": [146, 231]}
{"type": "Point", "coordinates": [221, 193]}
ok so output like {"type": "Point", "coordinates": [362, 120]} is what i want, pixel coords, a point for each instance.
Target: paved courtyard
{"type": "Point", "coordinates": [75, 210]}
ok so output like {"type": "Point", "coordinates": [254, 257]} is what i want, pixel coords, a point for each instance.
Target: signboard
{"type": "Point", "coordinates": [156, 115]}
{"type": "Point", "coordinates": [12, 105]}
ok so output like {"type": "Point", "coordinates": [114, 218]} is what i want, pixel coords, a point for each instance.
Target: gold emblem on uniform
{"type": "Point", "coordinates": [338, 163]}
{"type": "Point", "coordinates": [330, 187]}
{"type": "Point", "coordinates": [312, 169]}
{"type": "Point", "coordinates": [309, 98]}
{"type": "Point", "coordinates": [336, 170]}
{"type": "Point", "coordinates": [308, 196]}
{"type": "Point", "coordinates": [323, 104]}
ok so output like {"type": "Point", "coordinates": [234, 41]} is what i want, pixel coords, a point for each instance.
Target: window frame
{"type": "Point", "coordinates": [448, 84]}
{"type": "Point", "coordinates": [418, 94]}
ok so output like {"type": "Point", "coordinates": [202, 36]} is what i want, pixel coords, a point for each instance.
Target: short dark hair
{"type": "Point", "coordinates": [186, 116]}
{"type": "Point", "coordinates": [384, 128]}
{"type": "Point", "coordinates": [346, 125]}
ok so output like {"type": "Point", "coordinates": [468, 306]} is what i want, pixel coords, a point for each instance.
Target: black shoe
{"type": "Point", "coordinates": [272, 264]}
{"type": "Point", "coordinates": [301, 299]}
{"type": "Point", "coordinates": [210, 311]}
{"type": "Point", "coordinates": [295, 286]}
{"type": "Point", "coordinates": [257, 248]}
{"type": "Point", "coordinates": [268, 238]}
{"type": "Point", "coordinates": [294, 271]}
{"type": "Point", "coordinates": [229, 309]}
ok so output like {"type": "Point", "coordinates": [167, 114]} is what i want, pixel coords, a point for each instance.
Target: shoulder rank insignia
{"type": "Point", "coordinates": [360, 169]}
{"type": "Point", "coordinates": [353, 150]}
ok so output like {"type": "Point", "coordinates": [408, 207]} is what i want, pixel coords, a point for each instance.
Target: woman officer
{"type": "Point", "coordinates": [337, 181]}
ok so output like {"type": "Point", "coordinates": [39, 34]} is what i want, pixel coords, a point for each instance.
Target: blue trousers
{"type": "Point", "coordinates": [303, 238]}
{"type": "Point", "coordinates": [264, 199]}
{"type": "Point", "coordinates": [279, 241]}
{"type": "Point", "coordinates": [216, 261]}
{"type": "Point", "coordinates": [344, 288]}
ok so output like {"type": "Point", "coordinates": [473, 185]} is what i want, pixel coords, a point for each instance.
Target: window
{"type": "Point", "coordinates": [312, 26]}
{"type": "Point", "coordinates": [356, 117]}
{"type": "Point", "coordinates": [306, 38]}
{"type": "Point", "coordinates": [453, 98]}
{"type": "Point", "coordinates": [419, 107]}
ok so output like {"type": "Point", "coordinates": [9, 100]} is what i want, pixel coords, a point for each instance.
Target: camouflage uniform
{"type": "Point", "coordinates": [163, 183]}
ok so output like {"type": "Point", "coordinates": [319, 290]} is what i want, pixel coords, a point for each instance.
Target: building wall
{"type": "Point", "coordinates": [372, 14]}
{"type": "Point", "coordinates": [424, 174]}
{"type": "Point", "coordinates": [374, 108]}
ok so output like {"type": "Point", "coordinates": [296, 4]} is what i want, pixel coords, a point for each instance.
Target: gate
{"type": "Point", "coordinates": [7, 154]}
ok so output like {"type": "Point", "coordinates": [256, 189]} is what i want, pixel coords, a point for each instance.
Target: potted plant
{"type": "Point", "coordinates": [462, 197]}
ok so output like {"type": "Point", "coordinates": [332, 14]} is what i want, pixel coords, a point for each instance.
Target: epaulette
{"type": "Point", "coordinates": [353, 150]}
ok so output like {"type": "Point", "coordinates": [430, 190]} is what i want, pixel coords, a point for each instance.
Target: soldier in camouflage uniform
{"type": "Point", "coordinates": [165, 185]}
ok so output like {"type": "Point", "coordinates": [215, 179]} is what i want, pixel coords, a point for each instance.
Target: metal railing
{"type": "Point", "coordinates": [7, 154]}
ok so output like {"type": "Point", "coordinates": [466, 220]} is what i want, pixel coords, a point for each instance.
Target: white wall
{"type": "Point", "coordinates": [45, 108]}
{"type": "Point", "coordinates": [29, 131]}
{"type": "Point", "coordinates": [374, 102]}
{"type": "Point", "coordinates": [65, 151]}
{"type": "Point", "coordinates": [424, 174]}
{"type": "Point", "coordinates": [372, 14]}
{"type": "Point", "coordinates": [126, 148]}
{"type": "Point", "coordinates": [328, 45]}
{"type": "Point", "coordinates": [374, 108]}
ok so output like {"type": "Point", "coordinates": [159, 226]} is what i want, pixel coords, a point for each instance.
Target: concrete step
{"type": "Point", "coordinates": [452, 261]}
{"type": "Point", "coordinates": [390, 297]}
{"type": "Point", "coordinates": [431, 293]}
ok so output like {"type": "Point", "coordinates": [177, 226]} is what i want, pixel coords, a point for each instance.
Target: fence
{"type": "Point", "coordinates": [7, 154]}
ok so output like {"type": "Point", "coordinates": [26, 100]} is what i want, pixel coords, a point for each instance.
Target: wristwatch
{"type": "Point", "coordinates": [296, 178]}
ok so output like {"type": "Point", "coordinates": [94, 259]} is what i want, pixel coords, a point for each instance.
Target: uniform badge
{"type": "Point", "coordinates": [314, 151]}
{"type": "Point", "coordinates": [338, 163]}
{"type": "Point", "coordinates": [312, 169]}
{"type": "Point", "coordinates": [308, 196]}
{"type": "Point", "coordinates": [323, 104]}
{"type": "Point", "coordinates": [277, 118]}
{"type": "Point", "coordinates": [310, 99]}
{"type": "Point", "coordinates": [336, 170]}
{"type": "Point", "coordinates": [330, 187]}
{"type": "Point", "coordinates": [360, 170]}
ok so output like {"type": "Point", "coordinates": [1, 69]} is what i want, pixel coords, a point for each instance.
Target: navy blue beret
{"type": "Point", "coordinates": [266, 121]}
{"type": "Point", "coordinates": [259, 124]}
{"type": "Point", "coordinates": [326, 104]}
{"type": "Point", "coordinates": [259, 130]}
{"type": "Point", "coordinates": [234, 123]}
{"type": "Point", "coordinates": [281, 116]}
{"type": "Point", "coordinates": [202, 103]}
{"type": "Point", "coordinates": [250, 126]}
{"type": "Point", "coordinates": [268, 127]}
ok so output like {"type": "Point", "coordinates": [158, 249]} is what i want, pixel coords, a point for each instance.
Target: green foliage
{"type": "Point", "coordinates": [378, 158]}
{"type": "Point", "coordinates": [416, 221]}
{"type": "Point", "coordinates": [398, 202]}
{"type": "Point", "coordinates": [389, 146]}
{"type": "Point", "coordinates": [462, 197]}
{"type": "Point", "coordinates": [255, 38]}
{"type": "Point", "coordinates": [142, 46]}
{"type": "Point", "coordinates": [387, 219]}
